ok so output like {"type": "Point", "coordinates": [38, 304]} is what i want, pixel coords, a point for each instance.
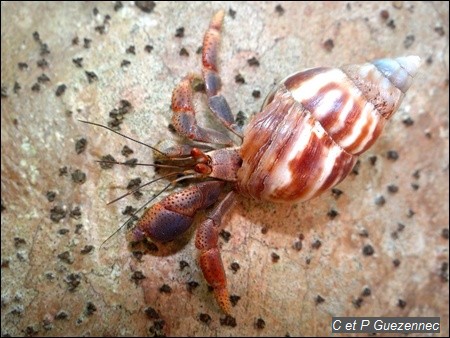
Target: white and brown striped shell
{"type": "Point", "coordinates": [315, 123]}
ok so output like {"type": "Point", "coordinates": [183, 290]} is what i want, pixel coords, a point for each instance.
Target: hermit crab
{"type": "Point", "coordinates": [307, 137]}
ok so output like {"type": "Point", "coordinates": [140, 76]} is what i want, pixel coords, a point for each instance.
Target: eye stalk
{"type": "Point", "coordinates": [203, 169]}
{"type": "Point", "coordinates": [199, 156]}
{"type": "Point", "coordinates": [203, 162]}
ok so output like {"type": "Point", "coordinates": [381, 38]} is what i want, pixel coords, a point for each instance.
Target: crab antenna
{"type": "Point", "coordinates": [156, 165]}
{"type": "Point", "coordinates": [127, 137]}
{"type": "Point", "coordinates": [141, 186]}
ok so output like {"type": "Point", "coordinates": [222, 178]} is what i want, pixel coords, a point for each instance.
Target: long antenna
{"type": "Point", "coordinates": [141, 186]}
{"type": "Point", "coordinates": [132, 139]}
{"type": "Point", "coordinates": [156, 165]}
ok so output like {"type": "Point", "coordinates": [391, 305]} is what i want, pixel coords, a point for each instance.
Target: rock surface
{"type": "Point", "coordinates": [379, 248]}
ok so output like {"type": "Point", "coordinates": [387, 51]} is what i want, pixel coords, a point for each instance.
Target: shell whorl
{"type": "Point", "coordinates": [315, 123]}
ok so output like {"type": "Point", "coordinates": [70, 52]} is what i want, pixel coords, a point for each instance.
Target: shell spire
{"type": "Point", "coordinates": [399, 71]}
{"type": "Point", "coordinates": [384, 82]}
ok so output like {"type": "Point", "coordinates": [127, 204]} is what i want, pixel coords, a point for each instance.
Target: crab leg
{"type": "Point", "coordinates": [217, 103]}
{"type": "Point", "coordinates": [172, 216]}
{"type": "Point", "coordinates": [183, 118]}
{"type": "Point", "coordinates": [210, 260]}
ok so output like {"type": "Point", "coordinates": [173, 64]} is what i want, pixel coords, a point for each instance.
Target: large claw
{"type": "Point", "coordinates": [171, 217]}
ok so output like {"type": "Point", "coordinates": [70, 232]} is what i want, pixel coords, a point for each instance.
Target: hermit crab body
{"type": "Point", "coordinates": [305, 140]}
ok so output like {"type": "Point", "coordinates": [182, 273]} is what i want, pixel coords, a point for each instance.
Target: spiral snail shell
{"type": "Point", "coordinates": [315, 123]}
